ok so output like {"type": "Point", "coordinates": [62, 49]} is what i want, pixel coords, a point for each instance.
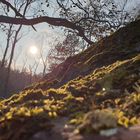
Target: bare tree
{"type": "Point", "coordinates": [97, 17]}
{"type": "Point", "coordinates": [9, 34]}
{"type": "Point", "coordinates": [24, 63]}
{"type": "Point", "coordinates": [16, 36]}
{"type": "Point", "coordinates": [86, 18]}
{"type": "Point", "coordinates": [32, 71]}
{"type": "Point", "coordinates": [70, 46]}
{"type": "Point", "coordinates": [43, 57]}
{"type": "Point", "coordinates": [44, 62]}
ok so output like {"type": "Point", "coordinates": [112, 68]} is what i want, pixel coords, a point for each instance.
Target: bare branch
{"type": "Point", "coordinates": [12, 7]}
{"type": "Point", "coordinates": [15, 10]}
{"type": "Point", "coordinates": [49, 20]}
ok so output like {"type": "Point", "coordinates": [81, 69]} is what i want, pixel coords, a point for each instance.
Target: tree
{"type": "Point", "coordinates": [79, 15]}
{"type": "Point", "coordinates": [61, 51]}
{"type": "Point", "coordinates": [43, 59]}
{"type": "Point", "coordinates": [13, 33]}
{"type": "Point", "coordinates": [9, 33]}
{"type": "Point", "coordinates": [96, 17]}
{"type": "Point", "coordinates": [16, 75]}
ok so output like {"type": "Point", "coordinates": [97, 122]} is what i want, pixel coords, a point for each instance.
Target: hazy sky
{"type": "Point", "coordinates": [44, 33]}
{"type": "Point", "coordinates": [43, 30]}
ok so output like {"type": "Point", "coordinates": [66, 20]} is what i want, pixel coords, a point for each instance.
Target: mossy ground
{"type": "Point", "coordinates": [91, 103]}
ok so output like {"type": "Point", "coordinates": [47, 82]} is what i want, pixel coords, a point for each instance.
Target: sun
{"type": "Point", "coordinates": [33, 50]}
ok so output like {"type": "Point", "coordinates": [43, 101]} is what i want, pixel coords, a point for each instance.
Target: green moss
{"type": "Point", "coordinates": [97, 120]}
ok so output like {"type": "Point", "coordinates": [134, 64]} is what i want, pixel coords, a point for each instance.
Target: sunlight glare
{"type": "Point", "coordinates": [33, 50]}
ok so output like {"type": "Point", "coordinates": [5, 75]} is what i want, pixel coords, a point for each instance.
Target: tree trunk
{"type": "Point", "coordinates": [7, 46]}
{"type": "Point", "coordinates": [10, 61]}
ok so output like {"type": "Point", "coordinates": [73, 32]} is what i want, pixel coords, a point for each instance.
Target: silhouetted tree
{"type": "Point", "coordinates": [61, 51]}
{"type": "Point", "coordinates": [86, 18]}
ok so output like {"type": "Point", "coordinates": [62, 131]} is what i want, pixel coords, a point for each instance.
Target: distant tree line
{"type": "Point", "coordinates": [18, 80]}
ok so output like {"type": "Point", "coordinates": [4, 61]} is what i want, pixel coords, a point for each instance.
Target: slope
{"type": "Point", "coordinates": [122, 45]}
{"type": "Point", "coordinates": [97, 96]}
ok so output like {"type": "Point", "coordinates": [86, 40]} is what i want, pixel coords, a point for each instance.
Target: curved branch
{"type": "Point", "coordinates": [49, 20]}
{"type": "Point", "coordinates": [15, 10]}
{"type": "Point", "coordinates": [12, 7]}
{"type": "Point", "coordinates": [96, 20]}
